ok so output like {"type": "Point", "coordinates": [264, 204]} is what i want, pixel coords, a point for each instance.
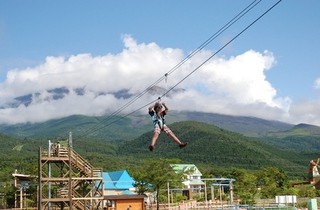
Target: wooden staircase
{"type": "Point", "coordinates": [77, 184]}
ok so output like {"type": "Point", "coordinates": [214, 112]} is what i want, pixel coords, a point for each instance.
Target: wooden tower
{"type": "Point", "coordinates": [68, 181]}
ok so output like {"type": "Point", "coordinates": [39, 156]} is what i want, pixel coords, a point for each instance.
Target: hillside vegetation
{"type": "Point", "coordinates": [16, 154]}
{"type": "Point", "coordinates": [117, 128]}
{"type": "Point", "coordinates": [274, 152]}
{"type": "Point", "coordinates": [105, 128]}
{"type": "Point", "coordinates": [208, 144]}
{"type": "Point", "coordinates": [124, 144]}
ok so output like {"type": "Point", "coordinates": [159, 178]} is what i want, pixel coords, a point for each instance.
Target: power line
{"type": "Point", "coordinates": [226, 26]}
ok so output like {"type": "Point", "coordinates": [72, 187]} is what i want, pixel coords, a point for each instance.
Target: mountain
{"type": "Point", "coordinates": [301, 129]}
{"type": "Point", "coordinates": [301, 138]}
{"type": "Point", "coordinates": [249, 126]}
{"type": "Point", "coordinates": [211, 145]}
{"type": "Point", "coordinates": [105, 128]}
{"type": "Point", "coordinates": [118, 128]}
{"type": "Point", "coordinates": [59, 93]}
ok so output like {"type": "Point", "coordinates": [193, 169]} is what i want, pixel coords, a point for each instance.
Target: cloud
{"type": "Point", "coordinates": [235, 85]}
{"type": "Point", "coordinates": [305, 112]}
{"type": "Point", "coordinates": [317, 83]}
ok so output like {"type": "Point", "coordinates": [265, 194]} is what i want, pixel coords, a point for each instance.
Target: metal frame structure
{"type": "Point", "coordinates": [22, 182]}
{"type": "Point", "coordinates": [219, 182]}
{"type": "Point", "coordinates": [68, 181]}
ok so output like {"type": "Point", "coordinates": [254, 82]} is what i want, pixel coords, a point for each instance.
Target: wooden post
{"type": "Point", "coordinates": [39, 181]}
{"type": "Point", "coordinates": [168, 187]}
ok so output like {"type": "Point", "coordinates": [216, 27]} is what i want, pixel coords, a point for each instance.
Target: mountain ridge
{"type": "Point", "coordinates": [211, 145]}
{"type": "Point", "coordinates": [126, 128]}
{"type": "Point", "coordinates": [208, 146]}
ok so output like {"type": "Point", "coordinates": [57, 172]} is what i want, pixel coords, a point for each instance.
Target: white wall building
{"type": "Point", "coordinates": [192, 176]}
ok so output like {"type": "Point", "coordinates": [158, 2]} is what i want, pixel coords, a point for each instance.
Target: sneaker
{"type": "Point", "coordinates": [151, 148]}
{"type": "Point", "coordinates": [182, 145]}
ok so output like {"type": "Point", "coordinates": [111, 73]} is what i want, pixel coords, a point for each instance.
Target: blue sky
{"type": "Point", "coordinates": [280, 54]}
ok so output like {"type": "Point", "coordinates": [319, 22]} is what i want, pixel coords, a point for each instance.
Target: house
{"type": "Point", "coordinates": [118, 183]}
{"type": "Point", "coordinates": [119, 192]}
{"type": "Point", "coordinates": [192, 175]}
{"type": "Point", "coordinates": [124, 202]}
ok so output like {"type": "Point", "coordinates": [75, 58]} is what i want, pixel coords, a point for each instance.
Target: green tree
{"type": "Point", "coordinates": [154, 175]}
{"type": "Point", "coordinates": [307, 191]}
{"type": "Point", "coordinates": [245, 186]}
{"type": "Point", "coordinates": [10, 196]}
{"type": "Point", "coordinates": [272, 181]}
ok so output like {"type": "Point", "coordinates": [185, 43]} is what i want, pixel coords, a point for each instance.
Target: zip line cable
{"type": "Point", "coordinates": [209, 40]}
{"type": "Point", "coordinates": [95, 129]}
{"type": "Point", "coordinates": [173, 69]}
{"type": "Point", "coordinates": [122, 117]}
{"type": "Point", "coordinates": [246, 28]}
{"type": "Point", "coordinates": [215, 35]}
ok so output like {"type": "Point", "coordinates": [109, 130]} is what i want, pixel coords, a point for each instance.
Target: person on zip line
{"type": "Point", "coordinates": [157, 113]}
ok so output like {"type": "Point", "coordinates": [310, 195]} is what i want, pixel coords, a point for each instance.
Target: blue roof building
{"type": "Point", "coordinates": [118, 183]}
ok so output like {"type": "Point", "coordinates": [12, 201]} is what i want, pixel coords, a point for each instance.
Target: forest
{"type": "Point", "coordinates": [269, 163]}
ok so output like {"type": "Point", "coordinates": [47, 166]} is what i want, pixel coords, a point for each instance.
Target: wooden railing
{"type": "Point", "coordinates": [83, 170]}
{"type": "Point", "coordinates": [81, 164]}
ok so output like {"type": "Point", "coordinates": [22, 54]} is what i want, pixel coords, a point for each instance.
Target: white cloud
{"type": "Point", "coordinates": [305, 112]}
{"type": "Point", "coordinates": [235, 86]}
{"type": "Point", "coordinates": [317, 83]}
